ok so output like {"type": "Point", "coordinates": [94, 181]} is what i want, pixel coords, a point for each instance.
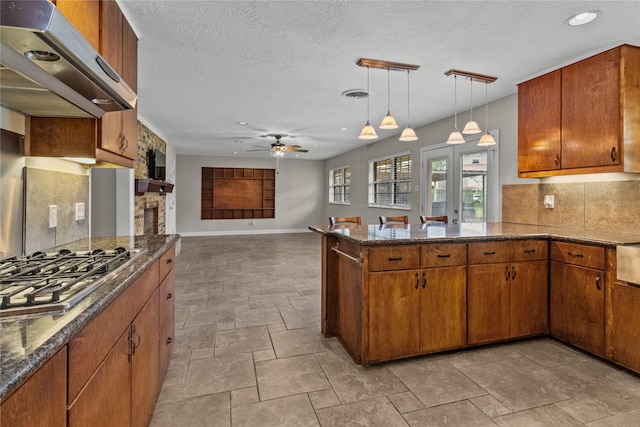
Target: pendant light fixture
{"type": "Point", "coordinates": [408, 134]}
{"type": "Point", "coordinates": [368, 132]}
{"type": "Point", "coordinates": [388, 122]}
{"type": "Point", "coordinates": [486, 139]}
{"type": "Point", "coordinates": [455, 137]}
{"type": "Point", "coordinates": [471, 127]}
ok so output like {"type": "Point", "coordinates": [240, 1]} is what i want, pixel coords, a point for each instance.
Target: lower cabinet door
{"type": "Point", "coordinates": [106, 399]}
{"type": "Point", "coordinates": [487, 303]}
{"type": "Point", "coordinates": [529, 299]}
{"type": "Point", "coordinates": [577, 305]}
{"type": "Point", "coordinates": [625, 325]}
{"type": "Point", "coordinates": [443, 320]}
{"type": "Point", "coordinates": [394, 314]}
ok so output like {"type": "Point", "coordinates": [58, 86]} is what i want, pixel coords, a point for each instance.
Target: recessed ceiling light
{"type": "Point", "coordinates": [242, 123]}
{"type": "Point", "coordinates": [344, 129]}
{"type": "Point", "coordinates": [235, 153]}
{"type": "Point", "coordinates": [582, 18]}
{"type": "Point", "coordinates": [315, 145]}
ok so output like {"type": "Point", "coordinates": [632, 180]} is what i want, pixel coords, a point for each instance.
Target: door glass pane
{"type": "Point", "coordinates": [437, 193]}
{"type": "Point", "coordinates": [473, 186]}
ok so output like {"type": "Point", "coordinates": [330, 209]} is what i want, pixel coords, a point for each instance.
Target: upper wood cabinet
{"type": "Point", "coordinates": [582, 118]}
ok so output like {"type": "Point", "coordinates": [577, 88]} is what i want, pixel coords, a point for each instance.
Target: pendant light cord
{"type": "Point", "coordinates": [455, 102]}
{"type": "Point", "coordinates": [368, 95]}
{"type": "Point", "coordinates": [471, 98]}
{"type": "Point", "coordinates": [486, 107]}
{"type": "Point", "coordinates": [388, 93]}
{"type": "Point", "coordinates": [408, 97]}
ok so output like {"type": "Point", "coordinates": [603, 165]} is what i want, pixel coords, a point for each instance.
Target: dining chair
{"type": "Point", "coordinates": [334, 220]}
{"type": "Point", "coordinates": [385, 219]}
{"type": "Point", "coordinates": [443, 218]}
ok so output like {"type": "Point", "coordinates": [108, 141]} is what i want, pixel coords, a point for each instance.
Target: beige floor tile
{"type": "Point", "coordinates": [298, 341]}
{"type": "Point", "coordinates": [480, 356]}
{"type": "Point", "coordinates": [292, 411]}
{"type": "Point", "coordinates": [290, 376]}
{"type": "Point", "coordinates": [548, 353]}
{"type": "Point", "coordinates": [203, 411]}
{"type": "Point", "coordinates": [244, 396]}
{"type": "Point", "coordinates": [458, 414]}
{"type": "Point", "coordinates": [304, 318]}
{"type": "Point", "coordinates": [260, 355]}
{"type": "Point", "coordinates": [246, 318]}
{"type": "Point", "coordinates": [244, 340]}
{"type": "Point", "coordinates": [490, 405]}
{"type": "Point", "coordinates": [224, 373]}
{"type": "Point", "coordinates": [544, 416]}
{"type": "Point", "coordinates": [371, 413]}
{"type": "Point", "coordinates": [405, 402]}
{"type": "Point", "coordinates": [353, 383]}
{"type": "Point", "coordinates": [323, 399]}
{"type": "Point", "coordinates": [195, 337]}
{"type": "Point", "coordinates": [208, 316]}
{"type": "Point", "coordinates": [625, 419]}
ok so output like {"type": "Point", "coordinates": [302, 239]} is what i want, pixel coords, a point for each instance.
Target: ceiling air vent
{"type": "Point", "coordinates": [355, 93]}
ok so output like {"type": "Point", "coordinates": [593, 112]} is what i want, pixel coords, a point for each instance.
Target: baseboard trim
{"type": "Point", "coordinates": [241, 232]}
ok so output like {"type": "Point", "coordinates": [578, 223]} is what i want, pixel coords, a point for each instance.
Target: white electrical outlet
{"type": "Point", "coordinates": [79, 211]}
{"type": "Point", "coordinates": [548, 202]}
{"type": "Point", "coordinates": [53, 216]}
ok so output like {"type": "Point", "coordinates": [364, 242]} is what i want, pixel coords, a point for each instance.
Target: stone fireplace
{"type": "Point", "coordinates": [151, 218]}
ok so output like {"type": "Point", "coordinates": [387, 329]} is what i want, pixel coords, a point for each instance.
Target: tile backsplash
{"type": "Point", "coordinates": [44, 188]}
{"type": "Point", "coordinates": [607, 206]}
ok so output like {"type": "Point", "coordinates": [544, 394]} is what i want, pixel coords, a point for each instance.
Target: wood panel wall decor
{"type": "Point", "coordinates": [238, 193]}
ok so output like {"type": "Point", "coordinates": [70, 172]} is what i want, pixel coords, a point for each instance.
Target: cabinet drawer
{"type": "Point", "coordinates": [167, 261]}
{"type": "Point", "coordinates": [394, 258]}
{"type": "Point", "coordinates": [583, 255]}
{"type": "Point", "coordinates": [166, 340]}
{"type": "Point", "coordinates": [167, 296]}
{"type": "Point", "coordinates": [444, 255]}
{"type": "Point", "coordinates": [488, 252]}
{"type": "Point", "coordinates": [528, 250]}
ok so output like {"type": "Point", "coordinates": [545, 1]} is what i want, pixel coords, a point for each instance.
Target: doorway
{"type": "Point", "coordinates": [461, 181]}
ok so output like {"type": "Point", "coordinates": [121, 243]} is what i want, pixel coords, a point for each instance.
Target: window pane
{"type": "Point", "coordinates": [437, 203]}
{"type": "Point", "coordinates": [474, 184]}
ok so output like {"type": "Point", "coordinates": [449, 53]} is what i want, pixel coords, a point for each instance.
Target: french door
{"type": "Point", "coordinates": [461, 181]}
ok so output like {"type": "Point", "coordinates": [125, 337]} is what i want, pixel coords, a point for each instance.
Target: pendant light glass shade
{"type": "Point", "coordinates": [368, 132]}
{"type": "Point", "coordinates": [388, 122]}
{"type": "Point", "coordinates": [455, 137]}
{"type": "Point", "coordinates": [408, 134]}
{"type": "Point", "coordinates": [486, 139]}
{"type": "Point", "coordinates": [471, 127]}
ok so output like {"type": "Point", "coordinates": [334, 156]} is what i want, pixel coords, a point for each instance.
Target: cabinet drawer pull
{"type": "Point", "coordinates": [489, 253]}
{"type": "Point", "coordinates": [169, 295]}
{"type": "Point", "coordinates": [417, 281]}
{"type": "Point", "coordinates": [169, 261]}
{"type": "Point", "coordinates": [575, 255]}
{"type": "Point", "coordinates": [556, 160]}
{"type": "Point", "coordinates": [399, 258]}
{"type": "Point", "coordinates": [614, 154]}
{"type": "Point", "coordinates": [598, 286]}
{"type": "Point", "coordinates": [444, 256]}
{"type": "Point", "coordinates": [529, 251]}
{"type": "Point", "coordinates": [513, 272]}
{"type": "Point", "coordinates": [169, 340]}
{"type": "Point", "coordinates": [424, 280]}
{"type": "Point", "coordinates": [507, 272]}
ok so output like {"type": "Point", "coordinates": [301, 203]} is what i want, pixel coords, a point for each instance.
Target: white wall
{"type": "Point", "coordinates": [503, 115]}
{"type": "Point", "coordinates": [300, 196]}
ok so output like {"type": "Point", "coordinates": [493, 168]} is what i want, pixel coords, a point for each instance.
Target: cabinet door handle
{"type": "Point", "coordinates": [507, 272]}
{"type": "Point", "coordinates": [575, 255]}
{"type": "Point", "coordinates": [424, 280]}
{"type": "Point", "coordinates": [417, 281]}
{"type": "Point", "coordinates": [489, 253]}
{"type": "Point", "coordinates": [614, 154]}
{"type": "Point", "coordinates": [513, 272]}
{"type": "Point", "coordinates": [529, 251]}
{"type": "Point", "coordinates": [556, 160]}
{"type": "Point", "coordinates": [598, 286]}
{"type": "Point", "coordinates": [444, 256]}
{"type": "Point", "coordinates": [169, 295]}
{"type": "Point", "coordinates": [169, 341]}
{"type": "Point", "coordinates": [169, 261]}
{"type": "Point", "coordinates": [399, 258]}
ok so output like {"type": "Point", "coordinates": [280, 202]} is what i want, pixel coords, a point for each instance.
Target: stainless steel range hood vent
{"type": "Point", "coordinates": [48, 69]}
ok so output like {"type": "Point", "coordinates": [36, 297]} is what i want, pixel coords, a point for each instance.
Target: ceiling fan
{"type": "Point", "coordinates": [278, 149]}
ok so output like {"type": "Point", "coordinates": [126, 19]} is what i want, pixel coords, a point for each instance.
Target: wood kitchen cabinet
{"type": "Point", "coordinates": [624, 324]}
{"type": "Point", "coordinates": [166, 311]}
{"type": "Point", "coordinates": [507, 294]}
{"type": "Point", "coordinates": [582, 118]}
{"type": "Point", "coordinates": [419, 310]}
{"type": "Point", "coordinates": [41, 400]}
{"type": "Point", "coordinates": [577, 301]}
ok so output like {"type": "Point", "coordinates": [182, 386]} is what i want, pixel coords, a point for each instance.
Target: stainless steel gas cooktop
{"type": "Point", "coordinates": [56, 281]}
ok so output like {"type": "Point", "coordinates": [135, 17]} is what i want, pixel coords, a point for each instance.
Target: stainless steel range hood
{"type": "Point", "coordinates": [48, 69]}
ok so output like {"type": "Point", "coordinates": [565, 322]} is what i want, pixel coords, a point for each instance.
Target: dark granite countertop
{"type": "Point", "coordinates": [27, 341]}
{"type": "Point", "coordinates": [400, 234]}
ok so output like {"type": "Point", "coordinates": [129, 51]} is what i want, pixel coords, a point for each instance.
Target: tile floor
{"type": "Point", "coordinates": [249, 353]}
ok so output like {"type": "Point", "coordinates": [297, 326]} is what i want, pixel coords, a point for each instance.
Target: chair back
{"type": "Point", "coordinates": [443, 218]}
{"type": "Point", "coordinates": [334, 220]}
{"type": "Point", "coordinates": [385, 219]}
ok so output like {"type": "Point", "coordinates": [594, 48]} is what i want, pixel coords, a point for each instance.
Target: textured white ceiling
{"type": "Point", "coordinates": [281, 66]}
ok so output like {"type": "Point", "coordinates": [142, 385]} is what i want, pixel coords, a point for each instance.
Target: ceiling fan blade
{"type": "Point", "coordinates": [300, 150]}
{"type": "Point", "coordinates": [259, 149]}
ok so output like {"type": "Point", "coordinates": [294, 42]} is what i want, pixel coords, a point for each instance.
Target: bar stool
{"type": "Point", "coordinates": [386, 219]}
{"type": "Point", "coordinates": [334, 220]}
{"type": "Point", "coordinates": [443, 218]}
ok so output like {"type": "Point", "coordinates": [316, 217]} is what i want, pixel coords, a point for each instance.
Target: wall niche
{"type": "Point", "coordinates": [238, 193]}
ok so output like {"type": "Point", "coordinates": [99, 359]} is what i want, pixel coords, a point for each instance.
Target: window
{"type": "Point", "coordinates": [340, 185]}
{"type": "Point", "coordinates": [390, 182]}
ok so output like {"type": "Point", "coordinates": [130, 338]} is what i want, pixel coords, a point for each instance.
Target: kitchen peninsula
{"type": "Point", "coordinates": [390, 292]}
{"type": "Point", "coordinates": [102, 361]}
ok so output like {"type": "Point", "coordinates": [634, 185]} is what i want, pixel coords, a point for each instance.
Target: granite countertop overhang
{"type": "Point", "coordinates": [400, 234]}
{"type": "Point", "coordinates": [27, 341]}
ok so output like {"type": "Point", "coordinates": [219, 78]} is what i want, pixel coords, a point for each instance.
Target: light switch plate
{"type": "Point", "coordinates": [548, 202]}
{"type": "Point", "coordinates": [79, 211]}
{"type": "Point", "coordinates": [53, 216]}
